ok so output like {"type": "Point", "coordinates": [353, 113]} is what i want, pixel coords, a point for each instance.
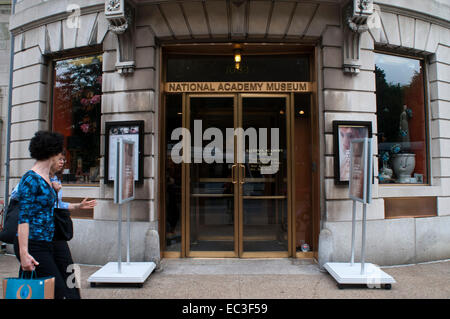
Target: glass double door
{"type": "Point", "coordinates": [236, 181]}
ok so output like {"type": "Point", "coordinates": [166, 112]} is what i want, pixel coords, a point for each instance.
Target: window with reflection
{"type": "Point", "coordinates": [401, 120]}
{"type": "Point", "coordinates": [77, 94]}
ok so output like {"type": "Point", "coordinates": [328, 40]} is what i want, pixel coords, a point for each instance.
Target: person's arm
{"type": "Point", "coordinates": [26, 260]}
{"type": "Point", "coordinates": [85, 204]}
{"type": "Point", "coordinates": [27, 202]}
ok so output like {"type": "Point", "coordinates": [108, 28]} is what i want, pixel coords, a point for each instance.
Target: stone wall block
{"type": "Point", "coordinates": [421, 34]}
{"type": "Point", "coordinates": [29, 112]}
{"type": "Point", "coordinates": [439, 91]}
{"type": "Point", "coordinates": [19, 42]}
{"type": "Point", "coordinates": [390, 24]}
{"type": "Point", "coordinates": [440, 147]}
{"type": "Point", "coordinates": [101, 237]}
{"type": "Point", "coordinates": [144, 37]}
{"type": "Point", "coordinates": [29, 93]}
{"type": "Point", "coordinates": [433, 39]}
{"type": "Point", "coordinates": [432, 238]}
{"type": "Point", "coordinates": [341, 210]}
{"type": "Point", "coordinates": [145, 57]}
{"type": "Point", "coordinates": [69, 35]}
{"type": "Point", "coordinates": [349, 101]}
{"type": "Point", "coordinates": [33, 74]}
{"type": "Point", "coordinates": [375, 26]}
{"type": "Point", "coordinates": [407, 30]}
{"type": "Point", "coordinates": [443, 204]}
{"type": "Point", "coordinates": [28, 57]}
{"type": "Point", "coordinates": [443, 54]}
{"type": "Point", "coordinates": [35, 37]}
{"type": "Point", "coordinates": [379, 249]}
{"type": "Point", "coordinates": [54, 36]}
{"type": "Point", "coordinates": [102, 27]}
{"type": "Point", "coordinates": [440, 128]}
{"type": "Point", "coordinates": [109, 61]}
{"type": "Point", "coordinates": [332, 36]}
{"type": "Point", "coordinates": [86, 31]}
{"type": "Point", "coordinates": [26, 130]}
{"type": "Point", "coordinates": [20, 166]}
{"type": "Point", "coordinates": [439, 72]}
{"type": "Point", "coordinates": [137, 101]}
{"type": "Point", "coordinates": [140, 80]}
{"type": "Point", "coordinates": [440, 109]}
{"type": "Point", "coordinates": [110, 42]}
{"type": "Point", "coordinates": [366, 43]}
{"type": "Point", "coordinates": [149, 163]}
{"type": "Point", "coordinates": [336, 79]}
{"type": "Point", "coordinates": [19, 149]}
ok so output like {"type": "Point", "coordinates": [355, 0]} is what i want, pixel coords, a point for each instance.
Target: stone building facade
{"type": "Point", "coordinates": [344, 39]}
{"type": "Point", "coordinates": [5, 12]}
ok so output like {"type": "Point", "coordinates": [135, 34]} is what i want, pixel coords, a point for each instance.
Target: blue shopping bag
{"type": "Point", "coordinates": [29, 288]}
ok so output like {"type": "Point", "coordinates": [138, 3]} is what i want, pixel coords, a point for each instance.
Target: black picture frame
{"type": "Point", "coordinates": [121, 126]}
{"type": "Point", "coordinates": [358, 129]}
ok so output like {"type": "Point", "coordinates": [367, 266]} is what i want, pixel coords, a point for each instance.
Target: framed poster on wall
{"type": "Point", "coordinates": [128, 130]}
{"type": "Point", "coordinates": [343, 133]}
{"type": "Point", "coordinates": [125, 163]}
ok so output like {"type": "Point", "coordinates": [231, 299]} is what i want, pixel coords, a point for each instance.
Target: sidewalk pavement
{"type": "Point", "coordinates": [258, 279]}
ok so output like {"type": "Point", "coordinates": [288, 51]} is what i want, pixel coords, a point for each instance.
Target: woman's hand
{"type": "Point", "coordinates": [27, 262]}
{"type": "Point", "coordinates": [85, 204]}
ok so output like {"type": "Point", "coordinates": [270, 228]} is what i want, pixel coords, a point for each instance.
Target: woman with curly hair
{"type": "Point", "coordinates": [33, 246]}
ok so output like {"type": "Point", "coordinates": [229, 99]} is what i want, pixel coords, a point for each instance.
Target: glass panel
{"type": "Point", "coordinates": [173, 175]}
{"type": "Point", "coordinates": [252, 68]}
{"type": "Point", "coordinates": [303, 173]}
{"type": "Point", "coordinates": [76, 114]}
{"type": "Point", "coordinates": [401, 120]}
{"type": "Point", "coordinates": [265, 195]}
{"type": "Point", "coordinates": [211, 188]}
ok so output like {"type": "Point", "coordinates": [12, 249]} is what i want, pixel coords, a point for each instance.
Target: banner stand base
{"type": "Point", "coordinates": [346, 274]}
{"type": "Point", "coordinates": [131, 273]}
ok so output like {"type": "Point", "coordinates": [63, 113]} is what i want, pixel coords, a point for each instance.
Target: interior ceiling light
{"type": "Point", "coordinates": [237, 49]}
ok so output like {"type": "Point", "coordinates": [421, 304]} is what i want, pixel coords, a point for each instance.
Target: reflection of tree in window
{"type": "Point", "coordinates": [76, 114]}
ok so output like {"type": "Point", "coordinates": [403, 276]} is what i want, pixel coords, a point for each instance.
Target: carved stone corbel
{"type": "Point", "coordinates": [120, 15]}
{"type": "Point", "coordinates": [355, 16]}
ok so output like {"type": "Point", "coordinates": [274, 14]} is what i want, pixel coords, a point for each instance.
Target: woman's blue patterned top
{"type": "Point", "coordinates": [37, 199]}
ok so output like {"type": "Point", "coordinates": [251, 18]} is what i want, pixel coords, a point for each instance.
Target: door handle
{"type": "Point", "coordinates": [232, 174]}
{"type": "Point", "coordinates": [243, 173]}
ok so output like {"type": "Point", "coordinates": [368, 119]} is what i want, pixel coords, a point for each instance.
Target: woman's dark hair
{"type": "Point", "coordinates": [46, 144]}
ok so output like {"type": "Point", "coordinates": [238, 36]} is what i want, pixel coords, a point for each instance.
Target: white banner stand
{"type": "Point", "coordinates": [118, 272]}
{"type": "Point", "coordinates": [360, 189]}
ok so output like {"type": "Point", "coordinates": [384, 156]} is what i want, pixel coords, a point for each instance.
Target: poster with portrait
{"type": "Point", "coordinates": [124, 185]}
{"type": "Point", "coordinates": [129, 130]}
{"type": "Point", "coordinates": [360, 183]}
{"type": "Point", "coordinates": [344, 132]}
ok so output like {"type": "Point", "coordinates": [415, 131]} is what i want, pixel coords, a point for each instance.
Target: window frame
{"type": "Point", "coordinates": [51, 63]}
{"type": "Point", "coordinates": [424, 61]}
